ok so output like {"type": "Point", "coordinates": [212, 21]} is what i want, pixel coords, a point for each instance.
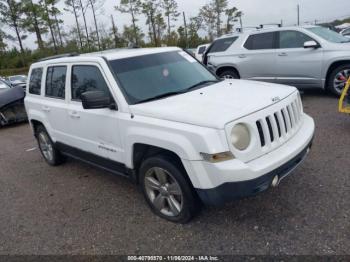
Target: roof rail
{"type": "Point", "coordinates": [262, 25]}
{"type": "Point", "coordinates": [240, 29]}
{"type": "Point", "coordinates": [59, 56]}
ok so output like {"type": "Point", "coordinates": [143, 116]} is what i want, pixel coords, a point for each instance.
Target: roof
{"type": "Point", "coordinates": [109, 54]}
{"type": "Point", "coordinates": [268, 29]}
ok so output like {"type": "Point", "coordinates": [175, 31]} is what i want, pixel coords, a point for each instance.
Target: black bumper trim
{"type": "Point", "coordinates": [236, 190]}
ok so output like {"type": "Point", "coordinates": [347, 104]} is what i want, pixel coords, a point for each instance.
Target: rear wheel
{"type": "Point", "coordinates": [47, 148]}
{"type": "Point", "coordinates": [229, 74]}
{"type": "Point", "coordinates": [338, 78]}
{"type": "Point", "coordinates": [166, 189]}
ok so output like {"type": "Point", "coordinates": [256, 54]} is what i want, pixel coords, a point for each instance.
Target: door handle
{"type": "Point", "coordinates": [242, 56]}
{"type": "Point", "coordinates": [282, 54]}
{"type": "Point", "coordinates": [74, 114]}
{"type": "Point", "coordinates": [45, 108]}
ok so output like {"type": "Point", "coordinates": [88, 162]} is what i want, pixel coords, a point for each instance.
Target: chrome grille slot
{"type": "Point", "coordinates": [279, 125]}
{"type": "Point", "coordinates": [270, 129]}
{"type": "Point", "coordinates": [261, 133]}
{"type": "Point", "coordinates": [291, 117]}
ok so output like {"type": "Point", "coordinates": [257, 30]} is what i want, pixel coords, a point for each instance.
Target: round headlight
{"type": "Point", "coordinates": [240, 137]}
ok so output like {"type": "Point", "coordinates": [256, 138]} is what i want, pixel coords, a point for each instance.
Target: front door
{"type": "Point", "coordinates": [94, 131]}
{"type": "Point", "coordinates": [296, 65]}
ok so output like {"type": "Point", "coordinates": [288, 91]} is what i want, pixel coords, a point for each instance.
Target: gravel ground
{"type": "Point", "coordinates": [77, 209]}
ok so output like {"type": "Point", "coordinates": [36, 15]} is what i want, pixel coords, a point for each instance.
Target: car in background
{"type": "Point", "coordinates": [304, 57]}
{"type": "Point", "coordinates": [346, 32]}
{"type": "Point", "coordinates": [200, 52]}
{"type": "Point", "coordinates": [18, 80]}
{"type": "Point", "coordinates": [4, 85]}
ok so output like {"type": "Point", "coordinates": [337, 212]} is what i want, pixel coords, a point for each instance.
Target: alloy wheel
{"type": "Point", "coordinates": [45, 146]}
{"type": "Point", "coordinates": [340, 80]}
{"type": "Point", "coordinates": [163, 191]}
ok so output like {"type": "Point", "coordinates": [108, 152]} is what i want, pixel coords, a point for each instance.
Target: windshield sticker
{"type": "Point", "coordinates": [187, 57]}
{"type": "Point", "coordinates": [165, 72]}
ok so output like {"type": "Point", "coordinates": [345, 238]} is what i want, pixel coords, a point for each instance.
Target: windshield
{"type": "Point", "coordinates": [18, 78]}
{"type": "Point", "coordinates": [329, 35]}
{"type": "Point", "coordinates": [150, 76]}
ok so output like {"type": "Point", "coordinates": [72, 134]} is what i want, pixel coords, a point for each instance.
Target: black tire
{"type": "Point", "coordinates": [190, 203]}
{"type": "Point", "coordinates": [228, 74]}
{"type": "Point", "coordinates": [330, 83]}
{"type": "Point", "coordinates": [57, 158]}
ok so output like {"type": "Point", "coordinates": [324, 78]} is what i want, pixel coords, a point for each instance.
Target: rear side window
{"type": "Point", "coordinates": [222, 45]}
{"type": "Point", "coordinates": [56, 81]}
{"type": "Point", "coordinates": [201, 50]}
{"type": "Point", "coordinates": [293, 39]}
{"type": "Point", "coordinates": [35, 81]}
{"type": "Point", "coordinates": [260, 41]}
{"type": "Point", "coordinates": [87, 78]}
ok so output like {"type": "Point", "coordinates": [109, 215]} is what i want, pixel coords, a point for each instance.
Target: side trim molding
{"type": "Point", "coordinates": [95, 160]}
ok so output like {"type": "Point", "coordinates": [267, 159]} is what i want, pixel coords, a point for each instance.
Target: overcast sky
{"type": "Point", "coordinates": [255, 12]}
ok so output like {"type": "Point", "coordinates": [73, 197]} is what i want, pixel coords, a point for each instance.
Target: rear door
{"type": "Point", "coordinates": [258, 57]}
{"type": "Point", "coordinates": [53, 103]}
{"type": "Point", "coordinates": [296, 65]}
{"type": "Point", "coordinates": [94, 131]}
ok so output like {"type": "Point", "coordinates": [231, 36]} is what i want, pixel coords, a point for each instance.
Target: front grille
{"type": "Point", "coordinates": [280, 124]}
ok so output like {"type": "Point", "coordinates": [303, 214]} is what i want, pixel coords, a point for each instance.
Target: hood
{"type": "Point", "coordinates": [11, 95]}
{"type": "Point", "coordinates": [338, 46]}
{"type": "Point", "coordinates": [215, 105]}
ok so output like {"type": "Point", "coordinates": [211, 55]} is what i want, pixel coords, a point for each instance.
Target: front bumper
{"type": "Point", "coordinates": [235, 190]}
{"type": "Point", "coordinates": [217, 183]}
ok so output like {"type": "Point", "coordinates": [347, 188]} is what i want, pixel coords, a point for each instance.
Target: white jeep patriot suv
{"type": "Point", "coordinates": [161, 118]}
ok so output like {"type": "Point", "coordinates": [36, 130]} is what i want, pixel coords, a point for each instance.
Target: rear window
{"type": "Point", "coordinates": [260, 41]}
{"type": "Point", "coordinates": [222, 45]}
{"type": "Point", "coordinates": [35, 81]}
{"type": "Point", "coordinates": [56, 82]}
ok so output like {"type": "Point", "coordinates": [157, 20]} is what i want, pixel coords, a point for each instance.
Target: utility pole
{"type": "Point", "coordinates": [185, 29]}
{"type": "Point", "coordinates": [298, 10]}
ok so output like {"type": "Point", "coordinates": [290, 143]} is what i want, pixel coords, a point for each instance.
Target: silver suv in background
{"type": "Point", "coordinates": [305, 57]}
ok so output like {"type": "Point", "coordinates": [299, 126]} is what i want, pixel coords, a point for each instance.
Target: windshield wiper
{"type": "Point", "coordinates": [160, 96]}
{"type": "Point", "coordinates": [177, 92]}
{"type": "Point", "coordinates": [201, 83]}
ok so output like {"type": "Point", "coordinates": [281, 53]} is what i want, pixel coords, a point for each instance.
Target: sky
{"type": "Point", "coordinates": [256, 12]}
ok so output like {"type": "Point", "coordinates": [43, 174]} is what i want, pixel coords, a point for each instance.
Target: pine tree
{"type": "Point", "coordinates": [132, 7]}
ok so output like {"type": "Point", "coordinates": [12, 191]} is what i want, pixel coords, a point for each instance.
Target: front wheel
{"type": "Point", "coordinates": [229, 74]}
{"type": "Point", "coordinates": [338, 78]}
{"type": "Point", "coordinates": [167, 190]}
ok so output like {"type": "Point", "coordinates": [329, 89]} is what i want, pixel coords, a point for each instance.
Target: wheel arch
{"type": "Point", "coordinates": [227, 67]}
{"type": "Point", "coordinates": [141, 151]}
{"type": "Point", "coordinates": [333, 66]}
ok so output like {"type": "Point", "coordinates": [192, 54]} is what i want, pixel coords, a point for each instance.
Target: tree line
{"type": "Point", "coordinates": [45, 20]}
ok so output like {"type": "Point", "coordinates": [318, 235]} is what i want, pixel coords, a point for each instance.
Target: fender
{"type": "Point", "coordinates": [186, 141]}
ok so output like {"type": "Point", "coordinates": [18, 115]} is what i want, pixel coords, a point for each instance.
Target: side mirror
{"type": "Point", "coordinates": [311, 44]}
{"type": "Point", "coordinates": [97, 100]}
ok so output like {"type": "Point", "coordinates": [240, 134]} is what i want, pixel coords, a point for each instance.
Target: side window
{"type": "Point", "coordinates": [222, 45]}
{"type": "Point", "coordinates": [293, 39]}
{"type": "Point", "coordinates": [35, 81]}
{"type": "Point", "coordinates": [201, 50]}
{"type": "Point", "coordinates": [56, 82]}
{"type": "Point", "coordinates": [260, 41]}
{"type": "Point", "coordinates": [87, 78]}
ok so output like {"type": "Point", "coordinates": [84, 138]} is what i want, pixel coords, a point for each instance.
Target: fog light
{"type": "Point", "coordinates": [275, 181]}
